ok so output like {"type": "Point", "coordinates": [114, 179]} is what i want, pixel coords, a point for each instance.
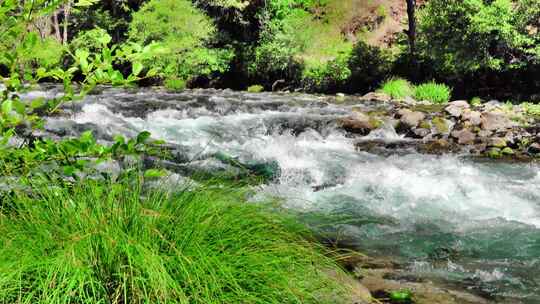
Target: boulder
{"type": "Point", "coordinates": [456, 108]}
{"type": "Point", "coordinates": [441, 126]}
{"type": "Point", "coordinates": [496, 121]}
{"type": "Point", "coordinates": [497, 142]}
{"type": "Point", "coordinates": [474, 117]}
{"type": "Point", "coordinates": [411, 118]}
{"type": "Point", "coordinates": [464, 136]}
{"type": "Point", "coordinates": [534, 148]}
{"type": "Point", "coordinates": [359, 123]}
{"type": "Point", "coordinates": [376, 96]}
{"type": "Point", "coordinates": [421, 132]}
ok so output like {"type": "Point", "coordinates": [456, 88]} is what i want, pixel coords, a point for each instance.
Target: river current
{"type": "Point", "coordinates": [473, 223]}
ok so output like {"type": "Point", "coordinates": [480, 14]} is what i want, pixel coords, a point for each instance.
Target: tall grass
{"type": "Point", "coordinates": [433, 92]}
{"type": "Point", "coordinates": [112, 243]}
{"type": "Point", "coordinates": [397, 88]}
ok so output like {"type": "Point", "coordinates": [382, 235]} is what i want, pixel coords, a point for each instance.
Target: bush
{"type": "Point", "coordinates": [255, 88]}
{"type": "Point", "coordinates": [109, 243]}
{"type": "Point", "coordinates": [369, 65]}
{"type": "Point", "coordinates": [175, 84]}
{"type": "Point", "coordinates": [397, 88]}
{"type": "Point", "coordinates": [434, 92]}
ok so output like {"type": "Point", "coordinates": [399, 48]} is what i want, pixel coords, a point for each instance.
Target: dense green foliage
{"type": "Point", "coordinates": [102, 243]}
{"type": "Point", "coordinates": [469, 35]}
{"type": "Point", "coordinates": [182, 30]}
{"type": "Point", "coordinates": [433, 92]}
{"type": "Point", "coordinates": [313, 45]}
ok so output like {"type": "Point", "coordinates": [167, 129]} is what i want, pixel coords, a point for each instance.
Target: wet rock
{"type": "Point", "coordinates": [494, 153]}
{"type": "Point", "coordinates": [456, 108]}
{"type": "Point", "coordinates": [496, 121]}
{"type": "Point", "coordinates": [359, 123]}
{"type": "Point", "coordinates": [507, 151]}
{"type": "Point", "coordinates": [474, 117]}
{"type": "Point", "coordinates": [497, 142]}
{"type": "Point", "coordinates": [484, 133]}
{"type": "Point", "coordinates": [464, 136]}
{"type": "Point", "coordinates": [381, 282]}
{"type": "Point", "coordinates": [375, 96]}
{"type": "Point", "coordinates": [441, 126]}
{"type": "Point", "coordinates": [421, 132]}
{"type": "Point", "coordinates": [411, 118]}
{"type": "Point", "coordinates": [534, 148]}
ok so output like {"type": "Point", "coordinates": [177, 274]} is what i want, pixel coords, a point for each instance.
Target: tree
{"type": "Point", "coordinates": [411, 32]}
{"type": "Point", "coordinates": [465, 36]}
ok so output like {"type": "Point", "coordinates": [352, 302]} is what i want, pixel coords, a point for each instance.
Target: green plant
{"type": "Point", "coordinates": [257, 88]}
{"type": "Point", "coordinates": [434, 92]}
{"type": "Point", "coordinates": [463, 36]}
{"type": "Point", "coordinates": [397, 88]}
{"type": "Point", "coordinates": [175, 84]}
{"type": "Point", "coordinates": [103, 242]}
{"type": "Point", "coordinates": [184, 32]}
{"type": "Point", "coordinates": [476, 101]}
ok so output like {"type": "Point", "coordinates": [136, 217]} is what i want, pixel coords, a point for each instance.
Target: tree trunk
{"type": "Point", "coordinates": [411, 34]}
{"type": "Point", "coordinates": [56, 27]}
{"type": "Point", "coordinates": [67, 12]}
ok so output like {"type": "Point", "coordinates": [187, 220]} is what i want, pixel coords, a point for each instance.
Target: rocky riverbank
{"type": "Point", "coordinates": [374, 280]}
{"type": "Point", "coordinates": [491, 129]}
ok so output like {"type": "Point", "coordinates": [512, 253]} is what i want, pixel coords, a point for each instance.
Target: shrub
{"type": "Point", "coordinates": [434, 92]}
{"type": "Point", "coordinates": [175, 84]}
{"type": "Point", "coordinates": [397, 88]}
{"type": "Point", "coordinates": [92, 40]}
{"type": "Point", "coordinates": [369, 65]}
{"type": "Point", "coordinates": [476, 101]}
{"type": "Point", "coordinates": [109, 243]}
{"type": "Point", "coordinates": [255, 88]}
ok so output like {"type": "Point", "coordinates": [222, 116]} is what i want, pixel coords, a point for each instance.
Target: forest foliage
{"type": "Point", "coordinates": [472, 45]}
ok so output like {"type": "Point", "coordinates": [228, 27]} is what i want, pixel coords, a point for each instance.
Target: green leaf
{"type": "Point", "coordinates": [19, 106]}
{"type": "Point", "coordinates": [137, 68]}
{"type": "Point", "coordinates": [154, 173]}
{"type": "Point", "coordinates": [87, 137]}
{"type": "Point", "coordinates": [37, 103]}
{"type": "Point", "coordinates": [402, 296]}
{"type": "Point", "coordinates": [143, 136]}
{"type": "Point", "coordinates": [69, 170]}
{"type": "Point", "coordinates": [7, 106]}
{"type": "Point", "coordinates": [152, 72]}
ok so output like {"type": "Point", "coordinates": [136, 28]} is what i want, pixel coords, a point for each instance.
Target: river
{"type": "Point", "coordinates": [470, 222]}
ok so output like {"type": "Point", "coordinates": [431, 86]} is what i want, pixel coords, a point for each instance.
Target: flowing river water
{"type": "Point", "coordinates": [474, 223]}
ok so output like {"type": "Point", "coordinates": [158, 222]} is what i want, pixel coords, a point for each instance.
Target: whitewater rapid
{"type": "Point", "coordinates": [485, 214]}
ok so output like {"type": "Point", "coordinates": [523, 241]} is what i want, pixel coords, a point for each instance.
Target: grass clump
{"type": "Point", "coordinates": [255, 88]}
{"type": "Point", "coordinates": [112, 243]}
{"type": "Point", "coordinates": [433, 92]}
{"type": "Point", "coordinates": [397, 88]}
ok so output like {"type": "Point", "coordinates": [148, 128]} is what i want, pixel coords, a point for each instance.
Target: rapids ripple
{"type": "Point", "coordinates": [449, 217]}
